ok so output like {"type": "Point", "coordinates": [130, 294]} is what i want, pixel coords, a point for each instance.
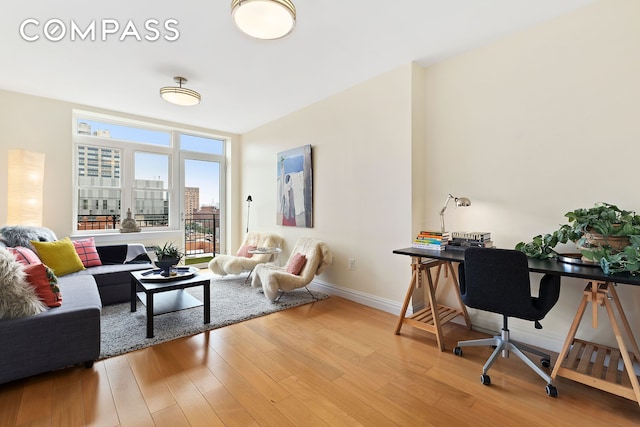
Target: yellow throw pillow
{"type": "Point", "coordinates": [60, 256]}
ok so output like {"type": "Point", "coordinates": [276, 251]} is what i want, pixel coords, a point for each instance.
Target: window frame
{"type": "Point", "coordinates": [127, 166]}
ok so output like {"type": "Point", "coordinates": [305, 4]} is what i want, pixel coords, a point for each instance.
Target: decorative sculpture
{"type": "Point", "coordinates": [129, 224]}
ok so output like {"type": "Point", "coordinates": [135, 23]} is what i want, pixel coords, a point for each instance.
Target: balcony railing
{"type": "Point", "coordinates": [202, 234]}
{"type": "Point", "coordinates": [202, 229]}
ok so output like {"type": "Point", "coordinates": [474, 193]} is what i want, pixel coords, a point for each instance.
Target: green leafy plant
{"type": "Point", "coordinates": [168, 251]}
{"type": "Point", "coordinates": [597, 232]}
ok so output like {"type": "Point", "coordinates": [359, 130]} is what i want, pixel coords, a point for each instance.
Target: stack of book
{"type": "Point", "coordinates": [461, 240]}
{"type": "Point", "coordinates": [434, 240]}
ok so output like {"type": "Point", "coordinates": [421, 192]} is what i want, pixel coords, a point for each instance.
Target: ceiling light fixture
{"type": "Point", "coordinates": [179, 95]}
{"type": "Point", "coordinates": [264, 19]}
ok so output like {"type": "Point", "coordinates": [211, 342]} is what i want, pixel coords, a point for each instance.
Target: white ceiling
{"type": "Point", "coordinates": [244, 82]}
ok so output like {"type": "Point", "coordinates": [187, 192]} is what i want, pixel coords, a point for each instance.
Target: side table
{"type": "Point", "coordinates": [275, 256]}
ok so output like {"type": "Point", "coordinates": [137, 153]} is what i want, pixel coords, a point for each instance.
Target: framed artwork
{"type": "Point", "coordinates": [295, 188]}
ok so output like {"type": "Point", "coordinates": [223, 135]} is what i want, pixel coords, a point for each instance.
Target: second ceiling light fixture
{"type": "Point", "coordinates": [264, 19]}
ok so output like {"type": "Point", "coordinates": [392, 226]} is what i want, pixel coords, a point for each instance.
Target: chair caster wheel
{"type": "Point", "coordinates": [551, 390]}
{"type": "Point", "coordinates": [545, 362]}
{"type": "Point", "coordinates": [457, 351]}
{"type": "Point", "coordinates": [486, 379]}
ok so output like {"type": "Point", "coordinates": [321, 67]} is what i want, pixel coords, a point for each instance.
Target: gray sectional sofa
{"type": "Point", "coordinates": [69, 334]}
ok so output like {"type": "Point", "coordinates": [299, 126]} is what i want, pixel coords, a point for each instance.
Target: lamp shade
{"type": "Point", "coordinates": [264, 19]}
{"type": "Point", "coordinates": [25, 181]}
{"type": "Point", "coordinates": [180, 95]}
{"type": "Point", "coordinates": [460, 202]}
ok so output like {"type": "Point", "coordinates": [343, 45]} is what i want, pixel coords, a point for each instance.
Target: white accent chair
{"type": "Point", "coordinates": [234, 264]}
{"type": "Point", "coordinates": [276, 280]}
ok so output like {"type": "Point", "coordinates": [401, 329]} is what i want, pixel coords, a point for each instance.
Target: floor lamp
{"type": "Point", "coordinates": [249, 200]}
{"type": "Point", "coordinates": [25, 187]}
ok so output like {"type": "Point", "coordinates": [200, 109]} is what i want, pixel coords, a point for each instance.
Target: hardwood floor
{"type": "Point", "coordinates": [331, 363]}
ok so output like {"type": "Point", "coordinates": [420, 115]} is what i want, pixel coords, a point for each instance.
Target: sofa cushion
{"type": "Point", "coordinates": [86, 249]}
{"type": "Point", "coordinates": [17, 298]}
{"type": "Point", "coordinates": [60, 255]}
{"type": "Point", "coordinates": [24, 256]}
{"type": "Point", "coordinates": [45, 283]}
{"type": "Point", "coordinates": [114, 281]}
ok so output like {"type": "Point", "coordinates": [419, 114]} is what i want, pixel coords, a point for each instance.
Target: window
{"type": "Point", "coordinates": [123, 165]}
{"type": "Point", "coordinates": [94, 185]}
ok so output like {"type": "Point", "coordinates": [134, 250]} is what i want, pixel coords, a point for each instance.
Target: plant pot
{"type": "Point", "coordinates": [165, 265]}
{"type": "Point", "coordinates": [617, 243]}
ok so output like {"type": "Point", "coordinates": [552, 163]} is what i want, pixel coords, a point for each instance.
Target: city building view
{"type": "Point", "coordinates": [100, 195]}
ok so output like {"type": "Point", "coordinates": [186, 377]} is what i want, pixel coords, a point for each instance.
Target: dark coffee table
{"type": "Point", "coordinates": [166, 295]}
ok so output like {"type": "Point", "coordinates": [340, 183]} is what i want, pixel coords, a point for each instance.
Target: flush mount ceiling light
{"type": "Point", "coordinates": [179, 95]}
{"type": "Point", "coordinates": [264, 19]}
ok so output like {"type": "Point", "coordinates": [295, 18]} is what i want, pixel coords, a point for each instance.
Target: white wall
{"type": "Point", "coordinates": [361, 140]}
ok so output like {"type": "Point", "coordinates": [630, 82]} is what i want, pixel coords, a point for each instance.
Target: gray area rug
{"type": "Point", "coordinates": [232, 301]}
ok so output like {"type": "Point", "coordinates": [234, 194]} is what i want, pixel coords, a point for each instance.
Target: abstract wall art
{"type": "Point", "coordinates": [295, 188]}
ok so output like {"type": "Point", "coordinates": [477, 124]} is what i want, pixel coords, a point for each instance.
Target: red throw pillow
{"type": "Point", "coordinates": [45, 284]}
{"type": "Point", "coordinates": [295, 265]}
{"type": "Point", "coordinates": [244, 251]}
{"type": "Point", "coordinates": [24, 255]}
{"type": "Point", "coordinates": [86, 249]}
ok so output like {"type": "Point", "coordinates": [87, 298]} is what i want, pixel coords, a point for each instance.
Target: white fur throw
{"type": "Point", "coordinates": [231, 264]}
{"type": "Point", "coordinates": [274, 279]}
{"type": "Point", "coordinates": [17, 297]}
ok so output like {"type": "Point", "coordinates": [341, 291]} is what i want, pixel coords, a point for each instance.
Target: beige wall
{"type": "Point", "coordinates": [539, 124]}
{"type": "Point", "coordinates": [361, 141]}
{"type": "Point", "coordinates": [44, 125]}
{"type": "Point", "coordinates": [528, 128]}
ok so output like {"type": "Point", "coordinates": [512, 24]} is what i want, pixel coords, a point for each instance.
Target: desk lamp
{"type": "Point", "coordinates": [460, 201]}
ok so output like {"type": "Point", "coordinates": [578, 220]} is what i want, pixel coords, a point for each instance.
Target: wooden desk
{"type": "Point", "coordinates": [582, 361]}
{"type": "Point", "coordinates": [434, 315]}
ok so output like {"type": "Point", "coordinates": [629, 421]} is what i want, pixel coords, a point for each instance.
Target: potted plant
{"type": "Point", "coordinates": [167, 256]}
{"type": "Point", "coordinates": [604, 234]}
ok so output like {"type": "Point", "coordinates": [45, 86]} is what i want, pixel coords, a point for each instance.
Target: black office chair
{"type": "Point", "coordinates": [497, 280]}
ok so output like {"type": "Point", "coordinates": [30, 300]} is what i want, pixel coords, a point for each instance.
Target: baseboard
{"type": "Point", "coordinates": [363, 298]}
{"type": "Point", "coordinates": [482, 321]}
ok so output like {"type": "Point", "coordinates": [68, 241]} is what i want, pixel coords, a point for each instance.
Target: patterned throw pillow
{"type": "Point", "coordinates": [45, 284]}
{"type": "Point", "coordinates": [296, 264]}
{"type": "Point", "coordinates": [24, 255]}
{"type": "Point", "coordinates": [86, 249]}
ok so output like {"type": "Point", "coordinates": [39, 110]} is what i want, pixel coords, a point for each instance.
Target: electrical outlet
{"type": "Point", "coordinates": [352, 264]}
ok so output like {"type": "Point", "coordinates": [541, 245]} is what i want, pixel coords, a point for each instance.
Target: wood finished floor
{"type": "Point", "coordinates": [331, 363]}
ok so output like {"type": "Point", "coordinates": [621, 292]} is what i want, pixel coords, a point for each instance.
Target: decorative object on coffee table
{"type": "Point", "coordinates": [167, 256]}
